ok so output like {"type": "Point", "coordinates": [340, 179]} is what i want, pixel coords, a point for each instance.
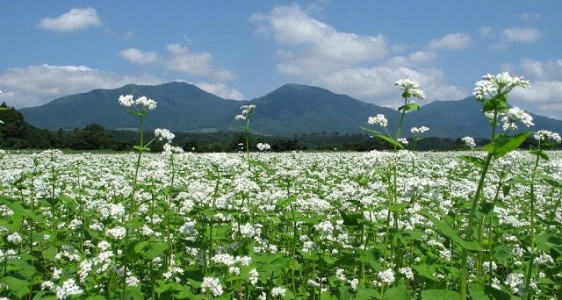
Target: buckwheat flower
{"type": "Point", "coordinates": [547, 135]}
{"type": "Point", "coordinates": [410, 88]}
{"type": "Point", "coordinates": [354, 282]}
{"type": "Point", "coordinates": [240, 117]}
{"type": "Point", "coordinates": [14, 238]}
{"type": "Point", "coordinates": [543, 259]}
{"type": "Point", "coordinates": [164, 134]}
{"type": "Point", "coordinates": [47, 285]}
{"type": "Point", "coordinates": [407, 273]}
{"type": "Point", "coordinates": [212, 285]}
{"type": "Point", "coordinates": [469, 141]}
{"type": "Point", "coordinates": [386, 276]}
{"type": "Point", "coordinates": [403, 141]}
{"type": "Point", "coordinates": [104, 245]}
{"type": "Point", "coordinates": [146, 102]}
{"type": "Point", "coordinates": [516, 114]}
{"type": "Point", "coordinates": [117, 232]}
{"type": "Point", "coordinates": [253, 276]}
{"type": "Point", "coordinates": [126, 100]}
{"type": "Point", "coordinates": [278, 291]}
{"type": "Point", "coordinates": [263, 146]}
{"type": "Point", "coordinates": [493, 85]}
{"type": "Point", "coordinates": [68, 288]}
{"type": "Point", "coordinates": [132, 281]}
{"type": "Point", "coordinates": [420, 130]}
{"type": "Point", "coordinates": [247, 109]}
{"type": "Point", "coordinates": [515, 281]}
{"type": "Point", "coordinates": [379, 120]}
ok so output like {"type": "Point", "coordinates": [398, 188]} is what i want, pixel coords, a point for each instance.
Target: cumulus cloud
{"type": "Point", "coordinates": [530, 17]}
{"type": "Point", "coordinates": [312, 46]}
{"type": "Point", "coordinates": [376, 84]}
{"type": "Point", "coordinates": [221, 90]}
{"type": "Point", "coordinates": [137, 56]}
{"type": "Point", "coordinates": [75, 19]}
{"type": "Point", "coordinates": [453, 41]}
{"type": "Point", "coordinates": [38, 84]}
{"type": "Point", "coordinates": [182, 59]}
{"type": "Point", "coordinates": [546, 86]}
{"type": "Point", "coordinates": [521, 35]}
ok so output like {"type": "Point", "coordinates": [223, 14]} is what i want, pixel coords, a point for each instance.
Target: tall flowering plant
{"type": "Point", "coordinates": [492, 91]}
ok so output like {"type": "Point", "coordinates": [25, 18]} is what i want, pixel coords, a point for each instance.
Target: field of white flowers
{"type": "Point", "coordinates": [480, 224]}
{"type": "Point", "coordinates": [281, 226]}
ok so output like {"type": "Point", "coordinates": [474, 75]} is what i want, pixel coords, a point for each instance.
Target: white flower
{"type": "Point", "coordinates": [253, 276]}
{"type": "Point", "coordinates": [164, 134]}
{"type": "Point", "coordinates": [469, 141]}
{"type": "Point", "coordinates": [117, 232]}
{"type": "Point", "coordinates": [547, 135]}
{"type": "Point", "coordinates": [132, 281]}
{"type": "Point", "coordinates": [420, 130]}
{"type": "Point", "coordinates": [386, 276]}
{"type": "Point", "coordinates": [515, 114]}
{"type": "Point", "coordinates": [212, 285]}
{"type": "Point", "coordinates": [263, 146]}
{"type": "Point", "coordinates": [403, 141]}
{"type": "Point", "coordinates": [492, 85]}
{"type": "Point", "coordinates": [240, 117]}
{"type": "Point", "coordinates": [14, 238]}
{"type": "Point", "coordinates": [407, 272]}
{"type": "Point", "coordinates": [126, 100]}
{"type": "Point", "coordinates": [379, 119]}
{"type": "Point", "coordinates": [278, 291]}
{"type": "Point", "coordinates": [410, 88]}
{"type": "Point", "coordinates": [68, 288]}
{"type": "Point", "coordinates": [146, 102]}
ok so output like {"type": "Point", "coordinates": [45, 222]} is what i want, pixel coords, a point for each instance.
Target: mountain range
{"type": "Point", "coordinates": [292, 109]}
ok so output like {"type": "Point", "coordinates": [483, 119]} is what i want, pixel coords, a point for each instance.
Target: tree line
{"type": "Point", "coordinates": [16, 133]}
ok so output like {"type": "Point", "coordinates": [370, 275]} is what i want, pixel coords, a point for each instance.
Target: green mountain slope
{"type": "Point", "coordinates": [292, 109]}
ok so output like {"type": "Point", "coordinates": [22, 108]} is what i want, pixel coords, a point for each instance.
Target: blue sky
{"type": "Point", "coordinates": [245, 49]}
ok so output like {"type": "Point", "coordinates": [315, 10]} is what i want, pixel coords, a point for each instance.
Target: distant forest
{"type": "Point", "coordinates": [17, 134]}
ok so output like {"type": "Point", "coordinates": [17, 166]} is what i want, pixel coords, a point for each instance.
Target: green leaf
{"type": "Point", "coordinates": [409, 107]}
{"type": "Point", "coordinates": [385, 138]}
{"type": "Point", "coordinates": [141, 148]}
{"type": "Point", "coordinates": [4, 108]}
{"type": "Point", "coordinates": [506, 144]}
{"type": "Point", "coordinates": [555, 183]}
{"type": "Point", "coordinates": [19, 287]}
{"type": "Point", "coordinates": [477, 161]}
{"type": "Point", "coordinates": [518, 180]}
{"type": "Point", "coordinates": [502, 253]}
{"type": "Point", "coordinates": [448, 231]}
{"type": "Point", "coordinates": [479, 291]}
{"type": "Point", "coordinates": [351, 219]}
{"type": "Point", "coordinates": [367, 294]}
{"type": "Point", "coordinates": [434, 294]}
{"type": "Point", "coordinates": [397, 293]}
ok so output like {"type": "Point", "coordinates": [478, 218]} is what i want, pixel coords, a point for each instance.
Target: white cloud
{"type": "Point", "coordinates": [37, 85]}
{"type": "Point", "coordinates": [486, 31]}
{"type": "Point", "coordinates": [376, 84]}
{"type": "Point", "coordinates": [545, 95]}
{"type": "Point", "coordinates": [453, 41]}
{"type": "Point", "coordinates": [137, 56]}
{"type": "Point", "coordinates": [75, 19]}
{"type": "Point", "coordinates": [183, 60]}
{"type": "Point", "coordinates": [521, 35]}
{"type": "Point", "coordinates": [220, 90]}
{"type": "Point", "coordinates": [313, 46]}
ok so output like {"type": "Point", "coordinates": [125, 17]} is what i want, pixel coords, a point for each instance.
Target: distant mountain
{"type": "Point", "coordinates": [289, 110]}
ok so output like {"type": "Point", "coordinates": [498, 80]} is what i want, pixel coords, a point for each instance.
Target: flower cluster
{"type": "Point", "coordinates": [127, 101]}
{"type": "Point", "coordinates": [247, 110]}
{"type": "Point", "coordinates": [417, 131]}
{"type": "Point", "coordinates": [547, 135]}
{"type": "Point", "coordinates": [410, 88]}
{"type": "Point", "coordinates": [516, 114]}
{"type": "Point", "coordinates": [469, 141]}
{"type": "Point", "coordinates": [379, 119]}
{"type": "Point", "coordinates": [263, 146]}
{"type": "Point", "coordinates": [493, 85]}
{"type": "Point", "coordinates": [164, 134]}
{"type": "Point", "coordinates": [212, 285]}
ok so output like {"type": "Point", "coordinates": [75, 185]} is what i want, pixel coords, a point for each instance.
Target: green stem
{"type": "Point", "coordinates": [532, 217]}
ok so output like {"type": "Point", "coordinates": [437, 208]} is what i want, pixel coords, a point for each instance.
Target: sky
{"type": "Point", "coordinates": [243, 49]}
